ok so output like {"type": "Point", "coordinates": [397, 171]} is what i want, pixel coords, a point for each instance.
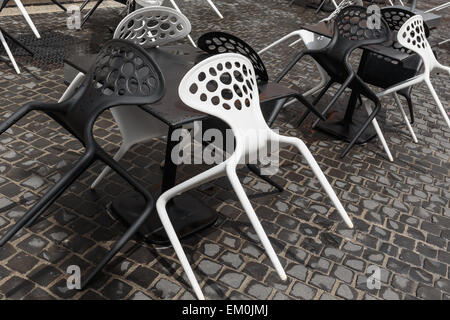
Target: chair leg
{"type": "Point", "coordinates": [438, 102]}
{"type": "Point", "coordinates": [273, 44]}
{"type": "Point", "coordinates": [72, 88]}
{"type": "Point", "coordinates": [444, 68]}
{"type": "Point", "coordinates": [257, 171]}
{"type": "Point", "coordinates": [362, 129]}
{"type": "Point", "coordinates": [336, 96]}
{"type": "Point", "coordinates": [120, 153]}
{"type": "Point", "coordinates": [408, 124]}
{"type": "Point", "coordinates": [134, 227]}
{"type": "Point", "coordinates": [276, 110]}
{"type": "Point", "coordinates": [379, 133]}
{"type": "Point", "coordinates": [161, 203]}
{"type": "Point", "coordinates": [303, 149]}
{"type": "Point", "coordinates": [16, 116]}
{"type": "Point", "coordinates": [9, 53]}
{"type": "Point", "coordinates": [411, 109]}
{"type": "Point", "coordinates": [215, 9]}
{"type": "Point", "coordinates": [59, 5]}
{"type": "Point", "coordinates": [16, 42]}
{"type": "Point", "coordinates": [316, 100]}
{"type": "Point", "coordinates": [248, 208]}
{"type": "Point", "coordinates": [178, 9]}
{"type": "Point", "coordinates": [49, 197]}
{"type": "Point", "coordinates": [90, 12]}
{"type": "Point", "coordinates": [84, 4]}
{"type": "Point", "coordinates": [27, 18]}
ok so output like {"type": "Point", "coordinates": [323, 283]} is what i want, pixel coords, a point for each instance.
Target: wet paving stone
{"type": "Point", "coordinates": [400, 209]}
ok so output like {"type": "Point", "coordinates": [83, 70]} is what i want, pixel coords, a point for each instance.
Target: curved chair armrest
{"type": "Point", "coordinates": [294, 62]}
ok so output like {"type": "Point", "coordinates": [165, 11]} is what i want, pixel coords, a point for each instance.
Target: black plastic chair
{"type": "Point", "coordinates": [221, 42]}
{"type": "Point", "coordinates": [350, 33]}
{"type": "Point", "coordinates": [123, 74]}
{"type": "Point", "coordinates": [382, 72]}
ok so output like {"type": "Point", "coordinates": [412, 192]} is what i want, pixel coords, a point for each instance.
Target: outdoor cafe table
{"type": "Point", "coordinates": [188, 214]}
{"type": "Point", "coordinates": [345, 123]}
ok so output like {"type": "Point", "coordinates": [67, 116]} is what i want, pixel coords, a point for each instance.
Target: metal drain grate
{"type": "Point", "coordinates": [49, 51]}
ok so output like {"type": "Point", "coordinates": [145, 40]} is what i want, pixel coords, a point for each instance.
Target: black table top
{"type": "Point", "coordinates": [175, 62]}
{"type": "Point", "coordinates": [326, 29]}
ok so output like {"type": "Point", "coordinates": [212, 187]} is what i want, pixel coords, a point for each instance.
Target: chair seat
{"type": "Point", "coordinates": [271, 91]}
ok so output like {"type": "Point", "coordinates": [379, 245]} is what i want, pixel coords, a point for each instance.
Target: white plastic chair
{"type": "Point", "coordinates": [144, 27]}
{"type": "Point", "coordinates": [412, 36]}
{"type": "Point", "coordinates": [225, 86]}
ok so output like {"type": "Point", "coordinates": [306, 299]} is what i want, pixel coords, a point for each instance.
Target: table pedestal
{"type": "Point", "coordinates": [340, 129]}
{"type": "Point", "coordinates": [187, 214]}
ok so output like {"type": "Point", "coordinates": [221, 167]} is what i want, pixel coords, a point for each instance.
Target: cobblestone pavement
{"type": "Point", "coordinates": [401, 210]}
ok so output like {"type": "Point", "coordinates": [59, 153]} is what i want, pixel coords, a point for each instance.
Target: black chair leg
{"type": "Point", "coordinates": [316, 100]}
{"type": "Point", "coordinates": [90, 12]}
{"type": "Point", "coordinates": [134, 227]}
{"type": "Point", "coordinates": [320, 6]}
{"type": "Point", "coordinates": [310, 107]}
{"type": "Point", "coordinates": [411, 108]}
{"type": "Point", "coordinates": [17, 42]}
{"type": "Point", "coordinates": [362, 129]}
{"type": "Point", "coordinates": [257, 171]}
{"type": "Point", "coordinates": [336, 96]}
{"type": "Point", "coordinates": [279, 105]}
{"type": "Point", "coordinates": [84, 4]}
{"type": "Point", "coordinates": [59, 5]}
{"type": "Point", "coordinates": [49, 197]}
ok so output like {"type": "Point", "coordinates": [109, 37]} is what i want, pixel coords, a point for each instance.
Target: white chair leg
{"type": "Point", "coordinates": [248, 208]}
{"type": "Point", "coordinates": [379, 133]}
{"type": "Point", "coordinates": [27, 18]}
{"type": "Point", "coordinates": [215, 9]}
{"type": "Point", "coordinates": [405, 84]}
{"type": "Point", "coordinates": [124, 147]}
{"type": "Point", "coordinates": [408, 124]}
{"type": "Point", "coordinates": [178, 9]}
{"type": "Point", "coordinates": [303, 149]}
{"type": "Point", "coordinates": [290, 35]}
{"type": "Point", "coordinates": [295, 42]}
{"type": "Point", "coordinates": [72, 87]}
{"type": "Point", "coordinates": [161, 203]}
{"type": "Point", "coordinates": [8, 52]}
{"type": "Point", "coordinates": [438, 102]}
{"type": "Point", "coordinates": [444, 68]}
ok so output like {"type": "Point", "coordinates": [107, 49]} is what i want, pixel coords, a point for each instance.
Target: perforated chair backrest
{"type": "Point", "coordinates": [351, 31]}
{"type": "Point", "coordinates": [413, 37]}
{"type": "Point", "coordinates": [395, 18]}
{"type": "Point", "coordinates": [153, 26]}
{"type": "Point", "coordinates": [222, 42]}
{"type": "Point", "coordinates": [225, 86]}
{"type": "Point", "coordinates": [122, 74]}
{"type": "Point", "coordinates": [352, 27]}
